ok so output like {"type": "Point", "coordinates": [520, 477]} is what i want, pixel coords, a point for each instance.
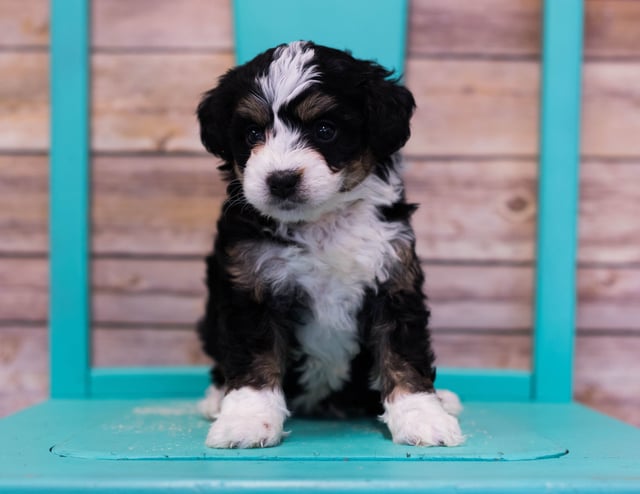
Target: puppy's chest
{"type": "Point", "coordinates": [335, 261]}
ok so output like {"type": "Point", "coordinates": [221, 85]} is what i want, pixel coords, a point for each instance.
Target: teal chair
{"type": "Point", "coordinates": [136, 430]}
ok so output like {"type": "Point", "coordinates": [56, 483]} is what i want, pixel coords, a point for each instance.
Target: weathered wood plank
{"type": "Point", "coordinates": [24, 100]}
{"type": "Point", "coordinates": [470, 210]}
{"type": "Point", "coordinates": [164, 24]}
{"type": "Point", "coordinates": [172, 292]}
{"type": "Point", "coordinates": [508, 28]}
{"type": "Point", "coordinates": [609, 204]}
{"type": "Point", "coordinates": [24, 368]}
{"type": "Point", "coordinates": [24, 289]}
{"type": "Point", "coordinates": [146, 346]}
{"type": "Point", "coordinates": [145, 102]}
{"type": "Point", "coordinates": [24, 23]}
{"type": "Point", "coordinates": [437, 27]}
{"type": "Point", "coordinates": [607, 375]}
{"type": "Point", "coordinates": [24, 204]}
{"type": "Point", "coordinates": [164, 205]}
{"type": "Point", "coordinates": [473, 210]}
{"type": "Point", "coordinates": [487, 27]}
{"type": "Point", "coordinates": [474, 107]}
{"type": "Point", "coordinates": [464, 296]}
{"type": "Point", "coordinates": [611, 120]}
{"type": "Point", "coordinates": [607, 367]}
{"type": "Point", "coordinates": [467, 297]}
{"type": "Point", "coordinates": [611, 28]}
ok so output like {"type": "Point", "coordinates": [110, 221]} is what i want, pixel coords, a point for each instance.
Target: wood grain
{"type": "Point", "coordinates": [505, 28]}
{"type": "Point", "coordinates": [606, 374]}
{"type": "Point", "coordinates": [487, 27]}
{"type": "Point", "coordinates": [470, 210]}
{"type": "Point", "coordinates": [24, 207]}
{"type": "Point", "coordinates": [162, 24]}
{"type": "Point", "coordinates": [473, 107]}
{"type": "Point", "coordinates": [161, 205]}
{"type": "Point", "coordinates": [611, 98]}
{"type": "Point", "coordinates": [24, 372]}
{"type": "Point", "coordinates": [24, 23]}
{"type": "Point", "coordinates": [473, 67]}
{"type": "Point", "coordinates": [437, 27]}
{"type": "Point", "coordinates": [146, 102]}
{"type": "Point", "coordinates": [24, 101]}
{"type": "Point", "coordinates": [611, 28]}
{"type": "Point", "coordinates": [467, 297]}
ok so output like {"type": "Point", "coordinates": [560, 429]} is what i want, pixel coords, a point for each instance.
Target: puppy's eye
{"type": "Point", "coordinates": [254, 135]}
{"type": "Point", "coordinates": [325, 131]}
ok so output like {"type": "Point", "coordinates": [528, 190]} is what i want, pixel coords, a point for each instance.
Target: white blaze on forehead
{"type": "Point", "coordinates": [289, 74]}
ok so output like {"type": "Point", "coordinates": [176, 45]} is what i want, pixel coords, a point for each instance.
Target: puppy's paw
{"type": "Point", "coordinates": [450, 401]}
{"type": "Point", "coordinates": [209, 406]}
{"type": "Point", "coordinates": [420, 419]}
{"type": "Point", "coordinates": [249, 418]}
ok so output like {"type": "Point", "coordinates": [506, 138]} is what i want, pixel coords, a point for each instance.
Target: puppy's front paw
{"type": "Point", "coordinates": [249, 418]}
{"type": "Point", "coordinates": [209, 406]}
{"type": "Point", "coordinates": [419, 419]}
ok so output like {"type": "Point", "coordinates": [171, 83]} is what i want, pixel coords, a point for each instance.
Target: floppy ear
{"type": "Point", "coordinates": [389, 107]}
{"type": "Point", "coordinates": [214, 114]}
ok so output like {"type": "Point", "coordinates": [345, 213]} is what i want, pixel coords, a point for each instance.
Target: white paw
{"type": "Point", "coordinates": [420, 419]}
{"type": "Point", "coordinates": [450, 401]}
{"type": "Point", "coordinates": [249, 418]}
{"type": "Point", "coordinates": [209, 406]}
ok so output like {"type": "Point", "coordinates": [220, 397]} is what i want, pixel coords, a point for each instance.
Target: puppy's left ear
{"type": "Point", "coordinates": [214, 115]}
{"type": "Point", "coordinates": [390, 107]}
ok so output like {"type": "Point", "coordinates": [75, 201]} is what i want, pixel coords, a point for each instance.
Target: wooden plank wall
{"type": "Point", "coordinates": [474, 69]}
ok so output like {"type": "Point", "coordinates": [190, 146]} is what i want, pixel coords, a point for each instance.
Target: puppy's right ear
{"type": "Point", "coordinates": [214, 114]}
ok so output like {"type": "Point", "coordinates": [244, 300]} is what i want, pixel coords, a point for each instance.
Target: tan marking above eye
{"type": "Point", "coordinates": [255, 109]}
{"type": "Point", "coordinates": [314, 106]}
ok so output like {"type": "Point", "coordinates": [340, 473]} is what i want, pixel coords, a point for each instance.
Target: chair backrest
{"type": "Point", "coordinates": [373, 29]}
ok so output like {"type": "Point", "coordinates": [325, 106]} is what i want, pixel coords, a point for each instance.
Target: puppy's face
{"type": "Point", "coordinates": [301, 125]}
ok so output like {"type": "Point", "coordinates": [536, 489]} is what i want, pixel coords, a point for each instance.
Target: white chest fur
{"type": "Point", "coordinates": [334, 260]}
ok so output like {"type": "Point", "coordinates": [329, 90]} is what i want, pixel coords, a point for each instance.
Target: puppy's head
{"type": "Point", "coordinates": [301, 125]}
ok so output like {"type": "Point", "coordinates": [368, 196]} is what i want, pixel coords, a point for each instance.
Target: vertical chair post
{"type": "Point", "coordinates": [69, 313]}
{"type": "Point", "coordinates": [555, 299]}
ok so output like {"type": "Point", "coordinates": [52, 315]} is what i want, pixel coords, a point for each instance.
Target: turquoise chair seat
{"type": "Point", "coordinates": [138, 430]}
{"type": "Point", "coordinates": [142, 445]}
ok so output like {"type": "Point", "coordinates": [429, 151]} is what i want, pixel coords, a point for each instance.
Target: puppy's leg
{"type": "Point", "coordinates": [253, 410]}
{"type": "Point", "coordinates": [414, 412]}
{"type": "Point", "coordinates": [420, 419]}
{"type": "Point", "coordinates": [209, 406]}
{"type": "Point", "coordinates": [249, 418]}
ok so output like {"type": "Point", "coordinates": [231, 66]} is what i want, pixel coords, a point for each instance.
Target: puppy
{"type": "Point", "coordinates": [315, 298]}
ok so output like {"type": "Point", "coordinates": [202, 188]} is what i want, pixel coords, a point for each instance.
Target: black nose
{"type": "Point", "coordinates": [283, 184]}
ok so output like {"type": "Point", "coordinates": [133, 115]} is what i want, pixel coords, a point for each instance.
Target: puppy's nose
{"type": "Point", "coordinates": [283, 184]}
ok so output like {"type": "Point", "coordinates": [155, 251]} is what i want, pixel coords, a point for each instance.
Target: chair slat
{"type": "Point", "coordinates": [69, 314]}
{"type": "Point", "coordinates": [555, 299]}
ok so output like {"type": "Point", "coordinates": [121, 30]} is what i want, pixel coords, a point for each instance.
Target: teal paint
{"type": "Point", "coordinates": [371, 29]}
{"type": "Point", "coordinates": [486, 384]}
{"type": "Point", "coordinates": [167, 430]}
{"type": "Point", "coordinates": [145, 382]}
{"type": "Point", "coordinates": [152, 382]}
{"type": "Point", "coordinates": [69, 318]}
{"type": "Point", "coordinates": [555, 298]}
{"type": "Point", "coordinates": [603, 455]}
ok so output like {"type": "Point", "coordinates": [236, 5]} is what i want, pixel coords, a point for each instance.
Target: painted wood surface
{"type": "Point", "coordinates": [471, 210]}
{"type": "Point", "coordinates": [474, 69]}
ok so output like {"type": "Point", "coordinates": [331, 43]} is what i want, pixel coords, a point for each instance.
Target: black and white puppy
{"type": "Point", "coordinates": [315, 291]}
